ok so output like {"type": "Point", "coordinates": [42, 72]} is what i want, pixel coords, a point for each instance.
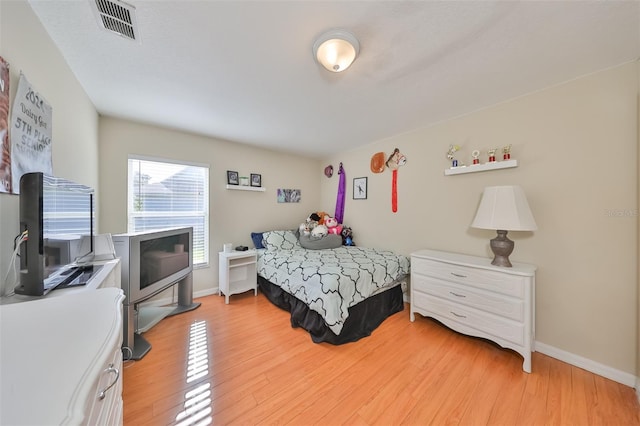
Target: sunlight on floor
{"type": "Point", "coordinates": [197, 405]}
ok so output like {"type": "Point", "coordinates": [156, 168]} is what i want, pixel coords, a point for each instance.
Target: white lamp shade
{"type": "Point", "coordinates": [336, 50]}
{"type": "Point", "coordinates": [504, 208]}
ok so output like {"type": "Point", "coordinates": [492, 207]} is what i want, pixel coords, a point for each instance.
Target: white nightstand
{"type": "Point", "coordinates": [237, 273]}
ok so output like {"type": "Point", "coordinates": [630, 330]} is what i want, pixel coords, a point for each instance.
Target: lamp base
{"type": "Point", "coordinates": [502, 247]}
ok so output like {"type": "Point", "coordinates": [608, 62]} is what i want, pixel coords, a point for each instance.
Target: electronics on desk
{"type": "Point", "coordinates": [49, 245]}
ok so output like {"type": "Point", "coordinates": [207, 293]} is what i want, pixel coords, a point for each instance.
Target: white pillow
{"type": "Point", "coordinates": [280, 240]}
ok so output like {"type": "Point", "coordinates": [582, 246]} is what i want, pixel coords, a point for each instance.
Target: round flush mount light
{"type": "Point", "coordinates": [336, 50]}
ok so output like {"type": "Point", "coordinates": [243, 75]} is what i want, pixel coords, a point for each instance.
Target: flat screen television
{"type": "Point", "coordinates": [59, 217]}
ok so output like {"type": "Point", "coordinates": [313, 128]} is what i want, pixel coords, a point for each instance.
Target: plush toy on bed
{"type": "Point", "coordinates": [319, 231]}
{"type": "Point", "coordinates": [333, 227]}
{"type": "Point", "coordinates": [347, 236]}
{"type": "Point", "coordinates": [307, 226]}
{"type": "Point", "coordinates": [318, 217]}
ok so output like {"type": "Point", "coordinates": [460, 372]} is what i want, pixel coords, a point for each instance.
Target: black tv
{"type": "Point", "coordinates": [59, 217]}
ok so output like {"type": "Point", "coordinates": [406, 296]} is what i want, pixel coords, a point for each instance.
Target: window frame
{"type": "Point", "coordinates": [205, 214]}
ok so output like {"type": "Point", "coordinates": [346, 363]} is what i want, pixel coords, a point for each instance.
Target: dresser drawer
{"type": "Point", "coordinates": [511, 285]}
{"type": "Point", "coordinates": [447, 311]}
{"type": "Point", "coordinates": [103, 410]}
{"type": "Point", "coordinates": [505, 306]}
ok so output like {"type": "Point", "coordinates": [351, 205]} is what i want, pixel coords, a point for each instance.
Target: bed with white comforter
{"type": "Point", "coordinates": [334, 284]}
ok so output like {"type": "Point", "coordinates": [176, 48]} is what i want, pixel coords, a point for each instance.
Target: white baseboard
{"type": "Point", "coordinates": [207, 292]}
{"type": "Point", "coordinates": [589, 365]}
{"type": "Point", "coordinates": [638, 388]}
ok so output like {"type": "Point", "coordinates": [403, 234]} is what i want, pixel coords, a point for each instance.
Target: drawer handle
{"type": "Point", "coordinates": [457, 295]}
{"type": "Point", "coordinates": [458, 315]}
{"type": "Point", "coordinates": [110, 369]}
{"type": "Point", "coordinates": [458, 275]}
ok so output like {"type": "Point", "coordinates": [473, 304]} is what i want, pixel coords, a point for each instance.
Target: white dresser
{"type": "Point", "coordinates": [474, 297]}
{"type": "Point", "coordinates": [61, 359]}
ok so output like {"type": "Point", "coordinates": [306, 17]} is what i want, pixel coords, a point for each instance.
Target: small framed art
{"type": "Point", "coordinates": [360, 188]}
{"type": "Point", "coordinates": [256, 179]}
{"type": "Point", "coordinates": [232, 178]}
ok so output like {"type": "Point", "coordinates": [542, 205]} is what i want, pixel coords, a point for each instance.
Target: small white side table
{"type": "Point", "coordinates": [237, 273]}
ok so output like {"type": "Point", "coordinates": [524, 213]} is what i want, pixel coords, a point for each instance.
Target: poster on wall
{"type": "Point", "coordinates": [289, 195]}
{"type": "Point", "coordinates": [5, 148]}
{"type": "Point", "coordinates": [30, 133]}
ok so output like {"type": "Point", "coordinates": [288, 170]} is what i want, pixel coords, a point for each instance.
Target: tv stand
{"type": "Point", "coordinates": [138, 346]}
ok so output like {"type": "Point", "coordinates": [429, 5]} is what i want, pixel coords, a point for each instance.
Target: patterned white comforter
{"type": "Point", "coordinates": [332, 280]}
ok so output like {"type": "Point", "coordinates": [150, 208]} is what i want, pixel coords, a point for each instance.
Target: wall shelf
{"type": "Point", "coordinates": [495, 165]}
{"type": "Point", "coordinates": [247, 188]}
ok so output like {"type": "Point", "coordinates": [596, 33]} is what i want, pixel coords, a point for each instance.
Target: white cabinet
{"type": "Point", "coordinates": [237, 273]}
{"type": "Point", "coordinates": [61, 361]}
{"type": "Point", "coordinates": [474, 297]}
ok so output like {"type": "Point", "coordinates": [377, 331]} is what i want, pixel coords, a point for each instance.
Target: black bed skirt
{"type": "Point", "coordinates": [364, 317]}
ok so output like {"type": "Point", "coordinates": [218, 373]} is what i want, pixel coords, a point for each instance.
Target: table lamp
{"type": "Point", "coordinates": [503, 208]}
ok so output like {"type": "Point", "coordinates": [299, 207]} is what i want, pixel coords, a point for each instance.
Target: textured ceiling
{"type": "Point", "coordinates": [243, 70]}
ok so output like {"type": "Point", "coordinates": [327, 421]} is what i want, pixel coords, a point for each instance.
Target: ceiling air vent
{"type": "Point", "coordinates": [116, 16]}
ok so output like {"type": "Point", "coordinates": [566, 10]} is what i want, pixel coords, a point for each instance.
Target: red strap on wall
{"type": "Point", "coordinates": [394, 191]}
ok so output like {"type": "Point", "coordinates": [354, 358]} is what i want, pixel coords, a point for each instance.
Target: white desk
{"type": "Point", "coordinates": [108, 276]}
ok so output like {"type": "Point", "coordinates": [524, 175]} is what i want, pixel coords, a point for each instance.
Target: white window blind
{"type": "Point", "coordinates": [166, 194]}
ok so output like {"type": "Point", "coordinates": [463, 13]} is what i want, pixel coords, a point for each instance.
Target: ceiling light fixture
{"type": "Point", "coordinates": [336, 50]}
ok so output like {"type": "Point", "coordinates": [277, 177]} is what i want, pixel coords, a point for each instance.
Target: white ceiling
{"type": "Point", "coordinates": [243, 70]}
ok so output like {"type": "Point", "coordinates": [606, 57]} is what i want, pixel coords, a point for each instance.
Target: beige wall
{"type": "Point", "coordinates": [577, 147]}
{"type": "Point", "coordinates": [233, 214]}
{"type": "Point", "coordinates": [27, 47]}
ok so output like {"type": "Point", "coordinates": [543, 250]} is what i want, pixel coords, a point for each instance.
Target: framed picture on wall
{"type": "Point", "coordinates": [232, 178]}
{"type": "Point", "coordinates": [360, 188]}
{"type": "Point", "coordinates": [256, 179]}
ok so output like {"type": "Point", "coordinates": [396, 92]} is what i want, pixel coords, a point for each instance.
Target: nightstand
{"type": "Point", "coordinates": [237, 273]}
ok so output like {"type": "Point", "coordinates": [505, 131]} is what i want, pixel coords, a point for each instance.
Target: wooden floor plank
{"type": "Point", "coordinates": [256, 369]}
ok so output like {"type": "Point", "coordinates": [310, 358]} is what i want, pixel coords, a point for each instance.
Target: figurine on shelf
{"type": "Point", "coordinates": [506, 152]}
{"type": "Point", "coordinates": [475, 154]}
{"type": "Point", "coordinates": [492, 154]}
{"type": "Point", "coordinates": [452, 150]}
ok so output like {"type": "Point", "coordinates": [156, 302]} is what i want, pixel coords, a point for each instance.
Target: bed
{"type": "Point", "coordinates": [338, 295]}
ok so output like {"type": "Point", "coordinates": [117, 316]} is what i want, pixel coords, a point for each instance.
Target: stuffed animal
{"type": "Point", "coordinates": [318, 217]}
{"type": "Point", "coordinates": [333, 227]}
{"type": "Point", "coordinates": [319, 231]}
{"type": "Point", "coordinates": [347, 236]}
{"type": "Point", "coordinates": [314, 216]}
{"type": "Point", "coordinates": [307, 226]}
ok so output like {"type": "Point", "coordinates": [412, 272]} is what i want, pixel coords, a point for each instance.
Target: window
{"type": "Point", "coordinates": [164, 194]}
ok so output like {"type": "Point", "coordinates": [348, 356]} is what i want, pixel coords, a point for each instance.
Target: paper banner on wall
{"type": "Point", "coordinates": [30, 133]}
{"type": "Point", "coordinates": [5, 153]}
{"type": "Point", "coordinates": [342, 184]}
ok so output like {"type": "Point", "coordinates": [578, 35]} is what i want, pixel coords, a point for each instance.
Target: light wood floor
{"type": "Point", "coordinates": [242, 363]}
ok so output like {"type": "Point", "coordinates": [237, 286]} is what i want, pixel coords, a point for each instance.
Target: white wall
{"type": "Point", "coordinates": [28, 48]}
{"type": "Point", "coordinates": [234, 214]}
{"type": "Point", "coordinates": [577, 147]}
